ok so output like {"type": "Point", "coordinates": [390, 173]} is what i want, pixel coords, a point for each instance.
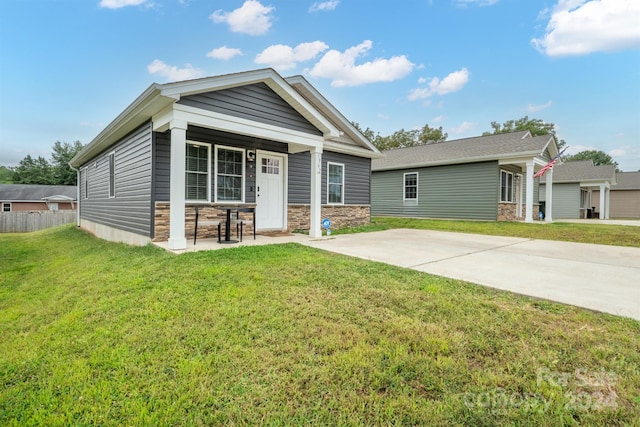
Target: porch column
{"type": "Point", "coordinates": [177, 238]}
{"type": "Point", "coordinates": [607, 203]}
{"type": "Point", "coordinates": [528, 215]}
{"type": "Point", "coordinates": [602, 201]}
{"type": "Point", "coordinates": [548, 191]}
{"type": "Point", "coordinates": [315, 231]}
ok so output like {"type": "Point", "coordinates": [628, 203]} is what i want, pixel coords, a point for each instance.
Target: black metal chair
{"type": "Point", "coordinates": [240, 222]}
{"type": "Point", "coordinates": [204, 223]}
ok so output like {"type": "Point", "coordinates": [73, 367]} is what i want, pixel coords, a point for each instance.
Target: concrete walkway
{"type": "Point", "coordinates": [598, 277]}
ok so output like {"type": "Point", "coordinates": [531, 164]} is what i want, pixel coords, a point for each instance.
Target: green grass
{"type": "Point", "coordinates": [617, 235]}
{"type": "Point", "coordinates": [96, 333]}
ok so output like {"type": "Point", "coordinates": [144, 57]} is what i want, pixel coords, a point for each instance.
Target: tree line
{"type": "Point", "coordinates": [428, 135]}
{"type": "Point", "coordinates": [38, 170]}
{"type": "Point", "coordinates": [56, 171]}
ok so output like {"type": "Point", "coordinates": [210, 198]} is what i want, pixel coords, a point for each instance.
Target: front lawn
{"type": "Point", "coordinates": [96, 333]}
{"type": "Point", "coordinates": [616, 235]}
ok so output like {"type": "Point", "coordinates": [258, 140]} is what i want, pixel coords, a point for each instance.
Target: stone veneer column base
{"type": "Point", "coordinates": [341, 216]}
{"type": "Point", "coordinates": [207, 212]}
{"type": "Point", "coordinates": [507, 212]}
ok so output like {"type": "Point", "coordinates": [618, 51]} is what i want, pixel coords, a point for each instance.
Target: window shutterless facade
{"type": "Point", "coordinates": [230, 178]}
{"type": "Point", "coordinates": [410, 193]}
{"type": "Point", "coordinates": [197, 177]}
{"type": "Point", "coordinates": [506, 187]}
{"type": "Point", "coordinates": [335, 183]}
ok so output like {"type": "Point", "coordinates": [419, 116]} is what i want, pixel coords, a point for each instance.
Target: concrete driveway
{"type": "Point", "coordinates": [598, 277]}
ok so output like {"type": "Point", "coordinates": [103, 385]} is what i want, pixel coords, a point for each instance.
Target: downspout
{"type": "Point", "coordinates": [77, 194]}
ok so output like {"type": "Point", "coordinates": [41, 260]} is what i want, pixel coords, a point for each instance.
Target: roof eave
{"type": "Point", "coordinates": [466, 160]}
{"type": "Point", "coordinates": [150, 101]}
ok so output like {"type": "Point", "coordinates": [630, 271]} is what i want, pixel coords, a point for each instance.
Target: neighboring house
{"type": "Point", "coordinates": [573, 187]}
{"type": "Point", "coordinates": [28, 197]}
{"type": "Point", "coordinates": [625, 196]}
{"type": "Point", "coordinates": [486, 178]}
{"type": "Point", "coordinates": [251, 139]}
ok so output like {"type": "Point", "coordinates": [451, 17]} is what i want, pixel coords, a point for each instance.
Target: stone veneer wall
{"type": "Point", "coordinates": [507, 212]}
{"type": "Point", "coordinates": [207, 213]}
{"type": "Point", "coordinates": [341, 216]}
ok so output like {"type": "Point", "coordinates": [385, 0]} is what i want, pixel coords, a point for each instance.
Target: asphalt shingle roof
{"type": "Point", "coordinates": [24, 192]}
{"type": "Point", "coordinates": [627, 181]}
{"type": "Point", "coordinates": [465, 150]}
{"type": "Point", "coordinates": [583, 170]}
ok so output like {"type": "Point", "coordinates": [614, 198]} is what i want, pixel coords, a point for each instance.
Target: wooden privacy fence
{"type": "Point", "coordinates": [26, 221]}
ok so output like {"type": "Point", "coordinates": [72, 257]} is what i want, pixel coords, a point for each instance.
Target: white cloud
{"type": "Point", "coordinates": [251, 18]}
{"type": "Point", "coordinates": [451, 83]}
{"type": "Point", "coordinates": [224, 53]}
{"type": "Point", "coordinates": [173, 73]}
{"type": "Point", "coordinates": [324, 6]}
{"type": "Point", "coordinates": [285, 57]}
{"type": "Point", "coordinates": [382, 116]}
{"type": "Point", "coordinates": [463, 128]}
{"type": "Point", "coordinates": [532, 108]}
{"type": "Point", "coordinates": [117, 4]}
{"type": "Point", "coordinates": [465, 3]}
{"type": "Point", "coordinates": [340, 67]}
{"type": "Point", "coordinates": [438, 119]}
{"type": "Point", "coordinates": [579, 27]}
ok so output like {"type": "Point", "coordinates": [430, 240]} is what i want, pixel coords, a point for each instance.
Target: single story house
{"type": "Point", "coordinates": [573, 187]}
{"type": "Point", "coordinates": [484, 178]}
{"type": "Point", "coordinates": [249, 139]}
{"type": "Point", "coordinates": [624, 201]}
{"type": "Point", "coordinates": [30, 197]}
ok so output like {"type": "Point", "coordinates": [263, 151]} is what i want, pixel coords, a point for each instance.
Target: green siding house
{"type": "Point", "coordinates": [484, 178]}
{"type": "Point", "coordinates": [578, 187]}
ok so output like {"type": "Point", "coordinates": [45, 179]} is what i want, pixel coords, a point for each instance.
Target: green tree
{"type": "Point", "coordinates": [33, 171]}
{"type": "Point", "coordinates": [537, 127]}
{"type": "Point", "coordinates": [63, 152]}
{"type": "Point", "coordinates": [598, 157]}
{"type": "Point", "coordinates": [6, 175]}
{"type": "Point", "coordinates": [404, 138]}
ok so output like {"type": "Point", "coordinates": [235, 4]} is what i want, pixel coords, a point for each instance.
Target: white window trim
{"type": "Point", "coordinates": [404, 186]}
{"type": "Point", "coordinates": [112, 189]}
{"type": "Point", "coordinates": [244, 174]}
{"type": "Point", "coordinates": [5, 204]}
{"type": "Point", "coordinates": [341, 187]}
{"type": "Point", "coordinates": [200, 144]}
{"type": "Point", "coordinates": [513, 181]}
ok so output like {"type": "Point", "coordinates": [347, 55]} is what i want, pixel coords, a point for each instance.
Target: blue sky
{"type": "Point", "coordinates": [69, 67]}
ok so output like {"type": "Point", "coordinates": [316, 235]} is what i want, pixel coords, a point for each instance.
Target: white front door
{"type": "Point", "coordinates": [270, 194]}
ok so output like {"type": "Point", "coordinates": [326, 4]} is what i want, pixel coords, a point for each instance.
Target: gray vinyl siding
{"type": "Point", "coordinates": [357, 178]}
{"type": "Point", "coordinates": [130, 209]}
{"type": "Point", "coordinates": [255, 102]}
{"type": "Point", "coordinates": [213, 137]}
{"type": "Point", "coordinates": [566, 200]}
{"type": "Point", "coordinates": [468, 191]}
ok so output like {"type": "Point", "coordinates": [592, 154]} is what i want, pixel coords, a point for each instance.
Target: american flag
{"type": "Point", "coordinates": [550, 164]}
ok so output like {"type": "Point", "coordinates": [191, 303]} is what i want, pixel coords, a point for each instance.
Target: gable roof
{"type": "Point", "coordinates": [36, 193]}
{"type": "Point", "coordinates": [627, 181]}
{"type": "Point", "coordinates": [467, 150]}
{"type": "Point", "coordinates": [158, 97]}
{"type": "Point", "coordinates": [581, 171]}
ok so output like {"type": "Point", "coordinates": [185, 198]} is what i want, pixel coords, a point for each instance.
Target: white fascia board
{"type": "Point", "coordinates": [141, 109]}
{"type": "Point", "coordinates": [334, 111]}
{"type": "Point", "coordinates": [162, 119]}
{"type": "Point", "coordinates": [553, 149]}
{"type": "Point", "coordinates": [351, 149]}
{"type": "Point", "coordinates": [303, 107]}
{"type": "Point", "coordinates": [268, 76]}
{"type": "Point", "coordinates": [208, 84]}
{"type": "Point", "coordinates": [455, 162]}
{"type": "Point", "coordinates": [518, 159]}
{"type": "Point", "coordinates": [223, 122]}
